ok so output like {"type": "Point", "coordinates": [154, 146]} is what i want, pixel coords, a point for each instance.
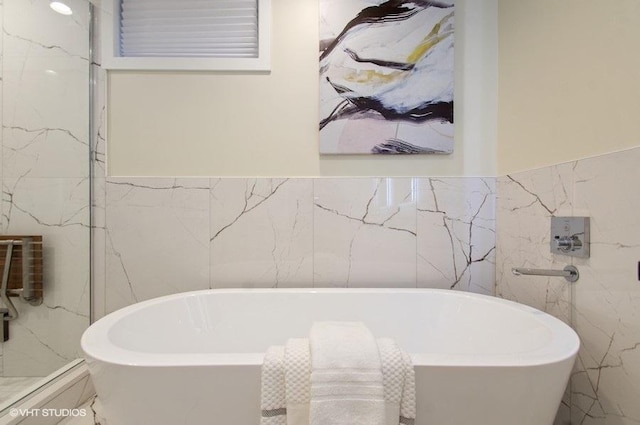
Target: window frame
{"type": "Point", "coordinates": [111, 60]}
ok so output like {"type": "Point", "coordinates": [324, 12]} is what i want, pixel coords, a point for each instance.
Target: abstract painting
{"type": "Point", "coordinates": [386, 76]}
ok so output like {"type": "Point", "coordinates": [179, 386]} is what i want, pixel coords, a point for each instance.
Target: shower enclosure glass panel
{"type": "Point", "coordinates": [45, 177]}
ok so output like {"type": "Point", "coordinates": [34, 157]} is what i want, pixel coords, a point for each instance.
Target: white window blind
{"type": "Point", "coordinates": [186, 34]}
{"type": "Point", "coordinates": [189, 28]}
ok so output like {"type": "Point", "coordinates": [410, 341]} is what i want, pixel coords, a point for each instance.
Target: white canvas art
{"type": "Point", "coordinates": [386, 76]}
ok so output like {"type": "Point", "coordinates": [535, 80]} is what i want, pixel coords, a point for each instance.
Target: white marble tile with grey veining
{"type": "Point", "coordinates": [606, 386]}
{"type": "Point", "coordinates": [157, 238]}
{"type": "Point", "coordinates": [365, 232]}
{"type": "Point", "coordinates": [45, 91]}
{"type": "Point", "coordinates": [526, 201]}
{"type": "Point", "coordinates": [98, 248]}
{"type": "Point", "coordinates": [58, 210]}
{"type": "Point", "coordinates": [261, 233]}
{"type": "Point", "coordinates": [35, 22]}
{"type": "Point", "coordinates": [456, 234]}
{"type": "Point", "coordinates": [99, 174]}
{"type": "Point", "coordinates": [99, 121]}
{"type": "Point", "coordinates": [9, 387]}
{"type": "Point", "coordinates": [98, 169]}
{"type": "Point", "coordinates": [99, 136]}
{"type": "Point", "coordinates": [89, 413]}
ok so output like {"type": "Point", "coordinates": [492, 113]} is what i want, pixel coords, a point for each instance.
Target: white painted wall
{"type": "Point", "coordinates": [226, 124]}
{"type": "Point", "coordinates": [569, 80]}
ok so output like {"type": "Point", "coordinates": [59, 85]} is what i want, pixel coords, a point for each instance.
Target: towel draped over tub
{"type": "Point", "coordinates": [339, 376]}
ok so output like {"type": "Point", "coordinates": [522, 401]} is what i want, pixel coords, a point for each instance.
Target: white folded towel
{"type": "Point", "coordinates": [408, 409]}
{"type": "Point", "coordinates": [399, 383]}
{"type": "Point", "coordinates": [297, 372]}
{"type": "Point", "coordinates": [286, 382]}
{"type": "Point", "coordinates": [346, 378]}
{"type": "Point", "coordinates": [273, 398]}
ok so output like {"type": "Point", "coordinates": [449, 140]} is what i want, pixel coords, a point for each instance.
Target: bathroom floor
{"type": "Point", "coordinates": [90, 410]}
{"type": "Point", "coordinates": [10, 387]}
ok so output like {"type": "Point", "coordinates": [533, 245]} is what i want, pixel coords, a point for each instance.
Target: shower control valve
{"type": "Point", "coordinates": [568, 243]}
{"type": "Point", "coordinates": [570, 236]}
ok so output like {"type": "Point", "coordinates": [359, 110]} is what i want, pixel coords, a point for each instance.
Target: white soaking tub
{"type": "Point", "coordinates": [194, 358]}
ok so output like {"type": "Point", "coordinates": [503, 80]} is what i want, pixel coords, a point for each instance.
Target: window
{"type": "Point", "coordinates": [221, 35]}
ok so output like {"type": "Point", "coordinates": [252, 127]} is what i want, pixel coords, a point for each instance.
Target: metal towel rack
{"type": "Point", "coordinates": [569, 272]}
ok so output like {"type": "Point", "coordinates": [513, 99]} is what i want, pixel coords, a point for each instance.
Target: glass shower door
{"type": "Point", "coordinates": [45, 177]}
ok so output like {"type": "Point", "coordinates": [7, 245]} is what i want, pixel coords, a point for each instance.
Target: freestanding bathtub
{"type": "Point", "coordinates": [194, 358]}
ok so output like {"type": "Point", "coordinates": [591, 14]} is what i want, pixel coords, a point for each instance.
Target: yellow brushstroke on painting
{"type": "Point", "coordinates": [430, 40]}
{"type": "Point", "coordinates": [373, 77]}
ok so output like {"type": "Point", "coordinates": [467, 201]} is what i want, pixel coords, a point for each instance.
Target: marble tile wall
{"type": "Point", "coordinates": [604, 305]}
{"type": "Point", "coordinates": [163, 236]}
{"type": "Point", "coordinates": [45, 171]}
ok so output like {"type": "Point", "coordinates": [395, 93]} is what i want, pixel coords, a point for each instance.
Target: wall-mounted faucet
{"type": "Point", "coordinates": [570, 273]}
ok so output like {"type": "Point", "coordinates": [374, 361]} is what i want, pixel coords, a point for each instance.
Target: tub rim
{"type": "Point", "coordinates": [95, 343]}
